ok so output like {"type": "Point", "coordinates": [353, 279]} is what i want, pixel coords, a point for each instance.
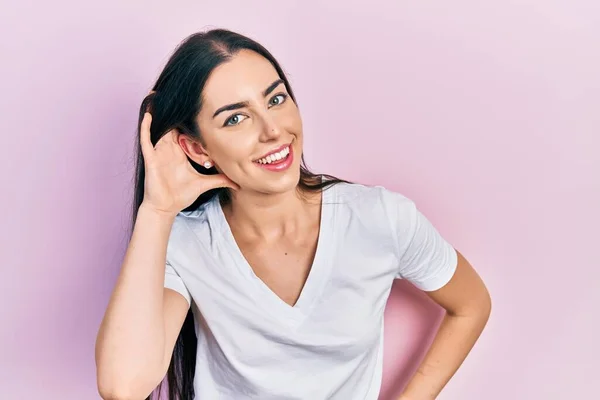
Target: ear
{"type": "Point", "coordinates": [194, 149]}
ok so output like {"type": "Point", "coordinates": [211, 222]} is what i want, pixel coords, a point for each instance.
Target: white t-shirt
{"type": "Point", "coordinates": [329, 345]}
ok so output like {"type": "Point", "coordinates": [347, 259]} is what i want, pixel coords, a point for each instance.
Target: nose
{"type": "Point", "coordinates": [270, 130]}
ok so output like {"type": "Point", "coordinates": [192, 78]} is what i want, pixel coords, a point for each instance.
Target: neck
{"type": "Point", "coordinates": [270, 217]}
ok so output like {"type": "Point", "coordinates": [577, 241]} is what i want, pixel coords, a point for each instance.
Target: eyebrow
{"type": "Point", "coordinates": [243, 104]}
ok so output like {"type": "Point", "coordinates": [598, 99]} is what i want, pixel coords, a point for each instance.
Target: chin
{"type": "Point", "coordinates": [287, 182]}
{"type": "Point", "coordinates": [280, 182]}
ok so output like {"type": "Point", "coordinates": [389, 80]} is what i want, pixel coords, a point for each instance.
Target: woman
{"type": "Point", "coordinates": [249, 277]}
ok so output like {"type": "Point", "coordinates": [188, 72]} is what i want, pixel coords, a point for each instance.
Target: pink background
{"type": "Point", "coordinates": [487, 114]}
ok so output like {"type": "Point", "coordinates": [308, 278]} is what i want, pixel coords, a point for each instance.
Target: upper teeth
{"type": "Point", "coordinates": [275, 156]}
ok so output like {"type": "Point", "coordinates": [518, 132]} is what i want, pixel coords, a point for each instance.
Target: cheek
{"type": "Point", "coordinates": [233, 154]}
{"type": "Point", "coordinates": [294, 122]}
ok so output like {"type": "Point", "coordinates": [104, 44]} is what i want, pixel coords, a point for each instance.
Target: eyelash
{"type": "Point", "coordinates": [285, 96]}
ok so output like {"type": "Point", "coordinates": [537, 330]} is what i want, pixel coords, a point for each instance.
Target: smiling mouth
{"type": "Point", "coordinates": [275, 158]}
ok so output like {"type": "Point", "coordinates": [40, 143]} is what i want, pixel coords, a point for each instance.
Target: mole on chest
{"type": "Point", "coordinates": [283, 269]}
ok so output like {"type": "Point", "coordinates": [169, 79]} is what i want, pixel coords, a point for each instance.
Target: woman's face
{"type": "Point", "coordinates": [258, 142]}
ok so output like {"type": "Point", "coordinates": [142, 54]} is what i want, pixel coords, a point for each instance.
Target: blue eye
{"type": "Point", "coordinates": [284, 96]}
{"type": "Point", "coordinates": [235, 118]}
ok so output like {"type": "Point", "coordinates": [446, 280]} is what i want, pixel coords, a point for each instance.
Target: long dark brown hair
{"type": "Point", "coordinates": [175, 102]}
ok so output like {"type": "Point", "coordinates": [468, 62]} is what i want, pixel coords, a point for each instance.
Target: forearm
{"type": "Point", "coordinates": [454, 340]}
{"type": "Point", "coordinates": [131, 335]}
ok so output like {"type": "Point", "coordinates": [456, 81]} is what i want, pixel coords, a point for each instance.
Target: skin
{"type": "Point", "coordinates": [267, 123]}
{"type": "Point", "coordinates": [271, 222]}
{"type": "Point", "coordinates": [467, 303]}
{"type": "Point", "coordinates": [273, 225]}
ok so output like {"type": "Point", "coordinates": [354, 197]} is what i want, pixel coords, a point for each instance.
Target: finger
{"type": "Point", "coordinates": [217, 181]}
{"type": "Point", "coordinates": [145, 141]}
{"type": "Point", "coordinates": [175, 134]}
{"type": "Point", "coordinates": [169, 138]}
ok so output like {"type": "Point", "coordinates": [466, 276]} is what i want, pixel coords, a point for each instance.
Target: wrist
{"type": "Point", "coordinates": [156, 213]}
{"type": "Point", "coordinates": [411, 397]}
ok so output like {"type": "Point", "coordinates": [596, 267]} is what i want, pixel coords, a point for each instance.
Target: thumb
{"type": "Point", "coordinates": [217, 181]}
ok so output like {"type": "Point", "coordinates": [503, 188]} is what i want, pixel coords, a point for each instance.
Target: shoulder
{"type": "Point", "coordinates": [373, 219]}
{"type": "Point", "coordinates": [374, 212]}
{"type": "Point", "coordinates": [189, 227]}
{"type": "Point", "coordinates": [373, 201]}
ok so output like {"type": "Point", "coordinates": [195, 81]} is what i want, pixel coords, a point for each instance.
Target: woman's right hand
{"type": "Point", "coordinates": [171, 183]}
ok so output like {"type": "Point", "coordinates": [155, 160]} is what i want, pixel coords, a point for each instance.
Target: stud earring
{"type": "Point", "coordinates": [207, 164]}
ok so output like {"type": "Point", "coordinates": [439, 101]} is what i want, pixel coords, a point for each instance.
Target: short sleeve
{"type": "Point", "coordinates": [173, 281]}
{"type": "Point", "coordinates": [426, 259]}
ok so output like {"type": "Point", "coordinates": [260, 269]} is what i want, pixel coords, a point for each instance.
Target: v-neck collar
{"type": "Point", "coordinates": [317, 276]}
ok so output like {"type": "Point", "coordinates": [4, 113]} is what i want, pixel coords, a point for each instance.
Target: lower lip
{"type": "Point", "coordinates": [280, 165]}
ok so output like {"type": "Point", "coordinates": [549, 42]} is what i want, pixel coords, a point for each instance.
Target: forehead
{"type": "Point", "coordinates": [243, 77]}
